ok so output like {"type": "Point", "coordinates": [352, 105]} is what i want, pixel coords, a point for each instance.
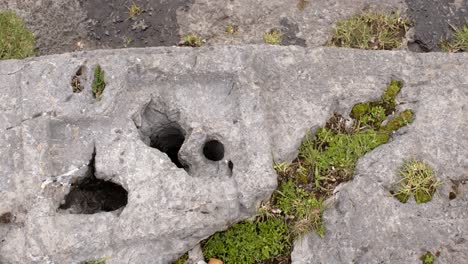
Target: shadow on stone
{"type": "Point", "coordinates": [161, 131]}
{"type": "Point", "coordinates": [91, 195]}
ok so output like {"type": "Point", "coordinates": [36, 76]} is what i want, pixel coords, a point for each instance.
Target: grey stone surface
{"type": "Point", "coordinates": [313, 25]}
{"type": "Point", "coordinates": [259, 101]}
{"type": "Point", "coordinates": [365, 224]}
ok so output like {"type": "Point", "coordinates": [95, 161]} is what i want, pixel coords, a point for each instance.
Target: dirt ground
{"type": "Point", "coordinates": [110, 22]}
{"type": "Point", "coordinates": [71, 25]}
{"type": "Point", "coordinates": [434, 20]}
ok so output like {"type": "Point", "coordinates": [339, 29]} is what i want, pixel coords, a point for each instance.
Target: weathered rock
{"type": "Point", "coordinates": [258, 102]}
{"type": "Point", "coordinates": [365, 224]}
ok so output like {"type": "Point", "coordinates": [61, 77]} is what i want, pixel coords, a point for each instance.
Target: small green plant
{"type": "Point", "coordinates": [134, 10]}
{"type": "Point", "coordinates": [417, 179]}
{"type": "Point", "coordinates": [273, 37]}
{"type": "Point", "coordinates": [301, 4]}
{"type": "Point", "coordinates": [325, 159]}
{"type": "Point", "coordinates": [99, 84]}
{"type": "Point", "coordinates": [99, 261]}
{"type": "Point", "coordinates": [231, 29]}
{"type": "Point", "coordinates": [427, 258]}
{"type": "Point", "coordinates": [127, 41]}
{"type": "Point", "coordinates": [192, 40]}
{"type": "Point", "coordinates": [249, 242]}
{"type": "Point", "coordinates": [459, 42]}
{"type": "Point", "coordinates": [370, 30]}
{"type": "Point", "coordinates": [16, 41]}
{"type": "Point", "coordinates": [182, 259]}
{"type": "Point", "coordinates": [302, 208]}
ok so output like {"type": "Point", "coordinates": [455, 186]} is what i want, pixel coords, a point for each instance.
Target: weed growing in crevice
{"type": "Point", "coordinates": [370, 30]}
{"type": "Point", "coordinates": [16, 41]}
{"type": "Point", "coordinates": [427, 258]}
{"type": "Point", "coordinates": [192, 40]}
{"type": "Point", "coordinates": [326, 159]}
{"type": "Point", "coordinates": [249, 242]}
{"type": "Point", "coordinates": [418, 180]}
{"type": "Point", "coordinates": [459, 42]}
{"type": "Point", "coordinates": [231, 29]}
{"type": "Point", "coordinates": [134, 11]}
{"type": "Point", "coordinates": [182, 259]}
{"type": "Point", "coordinates": [301, 4]}
{"type": "Point", "coordinates": [99, 84]}
{"type": "Point", "coordinates": [273, 37]}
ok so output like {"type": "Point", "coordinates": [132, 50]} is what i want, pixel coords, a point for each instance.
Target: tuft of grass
{"type": "Point", "coordinates": [301, 4]}
{"type": "Point", "coordinates": [273, 37]}
{"type": "Point", "coordinates": [459, 43]}
{"type": "Point", "coordinates": [99, 261]}
{"type": "Point", "coordinates": [302, 208]}
{"type": "Point", "coordinates": [418, 180]}
{"type": "Point", "coordinates": [370, 30]}
{"type": "Point", "coordinates": [231, 29]}
{"type": "Point", "coordinates": [127, 41]}
{"type": "Point", "coordinates": [16, 41]}
{"type": "Point", "coordinates": [134, 10]}
{"type": "Point", "coordinates": [249, 242]}
{"type": "Point", "coordinates": [427, 258]}
{"type": "Point", "coordinates": [99, 84]}
{"type": "Point", "coordinates": [192, 40]}
{"type": "Point", "coordinates": [182, 259]}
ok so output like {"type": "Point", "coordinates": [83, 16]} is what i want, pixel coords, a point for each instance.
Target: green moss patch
{"type": "Point", "coordinates": [459, 42]}
{"type": "Point", "coordinates": [370, 30]}
{"type": "Point", "coordinates": [99, 261]}
{"type": "Point", "coordinates": [182, 259]}
{"type": "Point", "coordinates": [418, 180]}
{"type": "Point", "coordinates": [16, 41]}
{"type": "Point", "coordinates": [427, 258]}
{"type": "Point", "coordinates": [325, 159]}
{"type": "Point", "coordinates": [99, 84]}
{"type": "Point", "coordinates": [249, 242]}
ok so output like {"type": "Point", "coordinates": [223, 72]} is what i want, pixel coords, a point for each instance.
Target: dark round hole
{"type": "Point", "coordinates": [452, 195]}
{"type": "Point", "coordinates": [213, 150]}
{"type": "Point", "coordinates": [169, 140]}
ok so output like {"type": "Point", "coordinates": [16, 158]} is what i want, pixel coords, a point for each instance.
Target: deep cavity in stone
{"type": "Point", "coordinates": [76, 81]}
{"type": "Point", "coordinates": [91, 195]}
{"type": "Point", "coordinates": [162, 131]}
{"type": "Point", "coordinates": [213, 150]}
{"type": "Point", "coordinates": [169, 139]}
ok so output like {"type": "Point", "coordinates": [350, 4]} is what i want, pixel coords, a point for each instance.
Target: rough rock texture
{"type": "Point", "coordinates": [364, 223]}
{"type": "Point", "coordinates": [258, 101]}
{"type": "Point", "coordinates": [434, 21]}
{"type": "Point", "coordinates": [311, 26]}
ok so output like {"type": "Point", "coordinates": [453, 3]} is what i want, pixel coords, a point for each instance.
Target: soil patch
{"type": "Point", "coordinates": [155, 24]}
{"type": "Point", "coordinates": [433, 21]}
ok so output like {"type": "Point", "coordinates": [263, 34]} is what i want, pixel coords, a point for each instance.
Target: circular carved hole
{"type": "Point", "coordinates": [213, 150]}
